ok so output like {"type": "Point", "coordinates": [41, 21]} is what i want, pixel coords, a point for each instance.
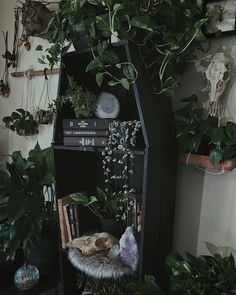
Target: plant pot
{"type": "Point", "coordinates": [203, 161]}
{"type": "Point", "coordinates": [111, 226]}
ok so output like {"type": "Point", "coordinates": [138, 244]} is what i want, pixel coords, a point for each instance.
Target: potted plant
{"type": "Point", "coordinates": [168, 33]}
{"type": "Point", "coordinates": [206, 274]}
{"type": "Point", "coordinates": [200, 133]}
{"type": "Point", "coordinates": [109, 206]}
{"type": "Point", "coordinates": [25, 213]}
{"type": "Point", "coordinates": [45, 116]}
{"type": "Point", "coordinates": [82, 100]}
{"type": "Point", "coordinates": [22, 122]}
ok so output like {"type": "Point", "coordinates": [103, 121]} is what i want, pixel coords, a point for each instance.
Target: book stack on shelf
{"type": "Point", "coordinates": [86, 132]}
{"type": "Point", "coordinates": [73, 220]}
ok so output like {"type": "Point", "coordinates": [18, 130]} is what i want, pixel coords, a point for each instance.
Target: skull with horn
{"type": "Point", "coordinates": [217, 75]}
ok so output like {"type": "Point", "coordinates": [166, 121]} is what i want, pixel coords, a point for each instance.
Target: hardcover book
{"type": "Point", "coordinates": [85, 141]}
{"type": "Point", "coordinates": [86, 123]}
{"type": "Point", "coordinates": [86, 132]}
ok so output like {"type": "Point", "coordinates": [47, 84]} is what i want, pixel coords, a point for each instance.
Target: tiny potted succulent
{"type": "Point", "coordinates": [22, 122]}
{"type": "Point", "coordinates": [82, 100]}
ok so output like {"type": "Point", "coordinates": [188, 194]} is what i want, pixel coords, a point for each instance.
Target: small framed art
{"type": "Point", "coordinates": [221, 16]}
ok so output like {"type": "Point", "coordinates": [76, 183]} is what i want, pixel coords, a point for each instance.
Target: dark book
{"type": "Point", "coordinates": [85, 141]}
{"type": "Point", "coordinates": [76, 218]}
{"type": "Point", "coordinates": [70, 212]}
{"type": "Point", "coordinates": [86, 132]}
{"type": "Point", "coordinates": [86, 123]}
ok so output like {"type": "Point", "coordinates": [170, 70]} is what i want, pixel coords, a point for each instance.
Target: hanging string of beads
{"type": "Point", "coordinates": [118, 160]}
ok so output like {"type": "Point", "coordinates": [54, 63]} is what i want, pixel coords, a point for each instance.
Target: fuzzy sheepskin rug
{"type": "Point", "coordinates": [98, 265]}
{"type": "Point", "coordinates": [120, 260]}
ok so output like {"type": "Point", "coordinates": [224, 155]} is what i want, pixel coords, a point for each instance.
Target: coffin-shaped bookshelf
{"type": "Point", "coordinates": [79, 168]}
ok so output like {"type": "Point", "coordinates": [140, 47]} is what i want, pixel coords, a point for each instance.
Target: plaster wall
{"type": "Point", "coordinates": [206, 203]}
{"type": "Point", "coordinates": [21, 87]}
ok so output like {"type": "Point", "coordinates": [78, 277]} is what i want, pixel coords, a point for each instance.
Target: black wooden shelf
{"type": "Point", "coordinates": [92, 149]}
{"type": "Point", "coordinates": [80, 168]}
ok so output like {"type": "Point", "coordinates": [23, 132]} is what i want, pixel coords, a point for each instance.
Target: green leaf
{"type": "Point", "coordinates": [110, 57]}
{"type": "Point", "coordinates": [128, 72]}
{"type": "Point", "coordinates": [231, 132]}
{"type": "Point", "coordinates": [118, 6]}
{"type": "Point", "coordinates": [125, 83]}
{"type": "Point", "coordinates": [215, 156]}
{"type": "Point", "coordinates": [94, 64]}
{"type": "Point", "coordinates": [217, 134]}
{"type": "Point", "coordinates": [16, 207]}
{"type": "Point", "coordinates": [99, 78]}
{"type": "Point", "coordinates": [143, 22]}
{"type": "Point", "coordinates": [41, 61]}
{"type": "Point", "coordinates": [101, 47]}
{"type": "Point", "coordinates": [39, 48]}
{"type": "Point", "coordinates": [79, 27]}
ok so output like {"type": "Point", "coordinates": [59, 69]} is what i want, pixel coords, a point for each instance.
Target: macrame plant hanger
{"type": "Point", "coordinates": [28, 93]}
{"type": "Point", "coordinates": [45, 110]}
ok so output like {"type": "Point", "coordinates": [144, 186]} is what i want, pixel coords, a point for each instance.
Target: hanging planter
{"type": "Point", "coordinates": [22, 122]}
{"type": "Point", "coordinates": [45, 112]}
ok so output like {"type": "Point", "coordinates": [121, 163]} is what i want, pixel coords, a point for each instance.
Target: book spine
{"type": "Point", "coordinates": [85, 141]}
{"type": "Point", "coordinates": [62, 223]}
{"type": "Point", "coordinates": [67, 222]}
{"type": "Point", "coordinates": [87, 132]}
{"type": "Point", "coordinates": [71, 220]}
{"type": "Point", "coordinates": [86, 123]}
{"type": "Point", "coordinates": [75, 211]}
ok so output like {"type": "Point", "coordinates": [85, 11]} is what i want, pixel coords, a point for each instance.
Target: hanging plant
{"type": "Point", "coordinates": [46, 110]}
{"type": "Point", "coordinates": [22, 122]}
{"type": "Point", "coordinates": [45, 116]}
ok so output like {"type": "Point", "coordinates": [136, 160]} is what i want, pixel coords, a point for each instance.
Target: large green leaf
{"type": "Point", "coordinates": [143, 22]}
{"type": "Point", "coordinates": [215, 156]}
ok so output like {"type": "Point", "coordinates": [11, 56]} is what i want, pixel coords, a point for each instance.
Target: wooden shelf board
{"type": "Point", "coordinates": [90, 149]}
{"type": "Point", "coordinates": [203, 161]}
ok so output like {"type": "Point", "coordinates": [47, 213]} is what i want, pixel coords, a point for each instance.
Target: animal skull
{"type": "Point", "coordinates": [217, 75]}
{"type": "Point", "coordinates": [94, 243]}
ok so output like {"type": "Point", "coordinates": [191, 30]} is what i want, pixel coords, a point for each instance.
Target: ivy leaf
{"type": "Point", "coordinates": [125, 83]}
{"type": "Point", "coordinates": [41, 61]}
{"type": "Point", "coordinates": [110, 57]}
{"type": "Point", "coordinates": [102, 46]}
{"type": "Point", "coordinates": [39, 48]}
{"type": "Point", "coordinates": [128, 72]}
{"type": "Point", "coordinates": [143, 22]}
{"type": "Point", "coordinates": [215, 156]}
{"type": "Point", "coordinates": [99, 78]}
{"type": "Point", "coordinates": [118, 6]}
{"type": "Point", "coordinates": [94, 64]}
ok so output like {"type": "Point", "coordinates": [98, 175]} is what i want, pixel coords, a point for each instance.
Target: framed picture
{"type": "Point", "coordinates": [221, 16]}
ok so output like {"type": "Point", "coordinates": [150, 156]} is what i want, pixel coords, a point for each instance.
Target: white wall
{"type": "Point", "coordinates": [206, 203]}
{"type": "Point", "coordinates": [10, 141]}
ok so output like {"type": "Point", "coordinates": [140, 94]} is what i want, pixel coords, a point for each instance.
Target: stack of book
{"type": "Point", "coordinates": [86, 132]}
{"type": "Point", "coordinates": [73, 220]}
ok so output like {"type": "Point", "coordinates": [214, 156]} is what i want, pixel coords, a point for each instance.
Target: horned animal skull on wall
{"type": "Point", "coordinates": [217, 75]}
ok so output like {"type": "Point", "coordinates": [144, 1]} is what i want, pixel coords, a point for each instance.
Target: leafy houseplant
{"type": "Point", "coordinates": [202, 275]}
{"type": "Point", "coordinates": [45, 116]}
{"type": "Point", "coordinates": [82, 100]}
{"type": "Point", "coordinates": [23, 189]}
{"type": "Point", "coordinates": [167, 32]}
{"type": "Point", "coordinates": [198, 132]}
{"type": "Point", "coordinates": [22, 122]}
